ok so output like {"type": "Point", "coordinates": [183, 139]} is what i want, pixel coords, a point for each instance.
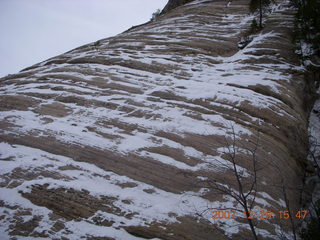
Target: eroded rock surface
{"type": "Point", "coordinates": [110, 140]}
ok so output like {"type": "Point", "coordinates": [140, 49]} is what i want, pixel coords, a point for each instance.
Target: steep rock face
{"type": "Point", "coordinates": [173, 4]}
{"type": "Point", "coordinates": [113, 139]}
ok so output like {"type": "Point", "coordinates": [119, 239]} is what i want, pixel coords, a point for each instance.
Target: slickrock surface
{"type": "Point", "coordinates": [109, 141]}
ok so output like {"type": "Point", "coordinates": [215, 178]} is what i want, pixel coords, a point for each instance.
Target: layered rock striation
{"type": "Point", "coordinates": [116, 139]}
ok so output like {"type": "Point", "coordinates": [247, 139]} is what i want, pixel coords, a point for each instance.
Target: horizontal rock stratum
{"type": "Point", "coordinates": [121, 138]}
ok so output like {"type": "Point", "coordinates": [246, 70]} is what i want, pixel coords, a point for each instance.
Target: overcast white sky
{"type": "Point", "coordinates": [35, 30]}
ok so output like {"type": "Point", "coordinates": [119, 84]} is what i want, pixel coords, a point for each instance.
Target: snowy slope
{"type": "Point", "coordinates": [109, 139]}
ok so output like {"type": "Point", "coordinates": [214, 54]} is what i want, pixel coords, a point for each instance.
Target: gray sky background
{"type": "Point", "coordinates": [35, 30]}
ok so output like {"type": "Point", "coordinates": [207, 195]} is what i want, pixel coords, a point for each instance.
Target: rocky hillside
{"type": "Point", "coordinates": [135, 136]}
{"type": "Point", "coordinates": [174, 4]}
